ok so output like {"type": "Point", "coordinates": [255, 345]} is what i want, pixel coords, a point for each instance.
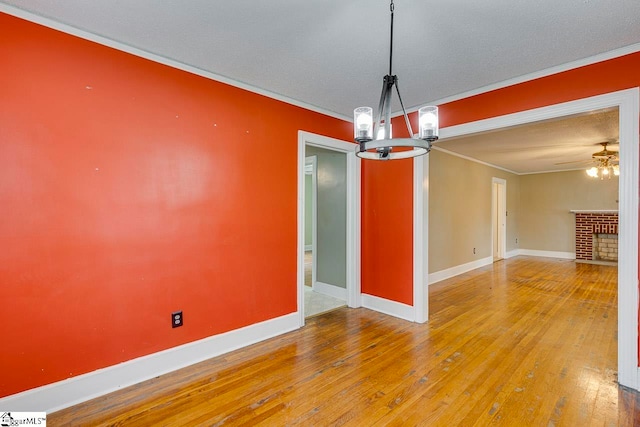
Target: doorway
{"type": "Point", "coordinates": [325, 216]}
{"type": "Point", "coordinates": [499, 217]}
{"type": "Point", "coordinates": [627, 101]}
{"type": "Point", "coordinates": [316, 145]}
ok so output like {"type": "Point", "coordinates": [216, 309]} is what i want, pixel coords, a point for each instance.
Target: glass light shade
{"type": "Point", "coordinates": [380, 133]}
{"type": "Point", "coordinates": [592, 172]}
{"type": "Point", "coordinates": [616, 170]}
{"type": "Point", "coordinates": [605, 171]}
{"type": "Point", "coordinates": [428, 122]}
{"type": "Point", "coordinates": [363, 124]}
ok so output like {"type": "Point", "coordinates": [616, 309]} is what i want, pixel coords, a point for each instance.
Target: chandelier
{"type": "Point", "coordinates": [604, 167]}
{"type": "Point", "coordinates": [381, 148]}
{"type": "Point", "coordinates": [606, 163]}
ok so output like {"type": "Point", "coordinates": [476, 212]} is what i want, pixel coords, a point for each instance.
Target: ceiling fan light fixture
{"type": "Point", "coordinates": [606, 163]}
{"type": "Point", "coordinates": [592, 172]}
{"type": "Point", "coordinates": [382, 147]}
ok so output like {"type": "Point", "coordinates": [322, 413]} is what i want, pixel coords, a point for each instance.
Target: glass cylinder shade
{"type": "Point", "coordinates": [381, 132]}
{"type": "Point", "coordinates": [592, 172]}
{"type": "Point", "coordinates": [428, 122]}
{"type": "Point", "coordinates": [363, 124]}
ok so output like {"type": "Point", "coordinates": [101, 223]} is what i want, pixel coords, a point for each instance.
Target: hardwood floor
{"type": "Point", "coordinates": [526, 341]}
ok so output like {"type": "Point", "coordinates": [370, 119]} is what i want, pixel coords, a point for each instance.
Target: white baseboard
{"type": "Point", "coordinates": [512, 253]}
{"type": "Point", "coordinates": [330, 290]}
{"type": "Point", "coordinates": [458, 269]}
{"type": "Point", "coordinates": [392, 308]}
{"type": "Point", "coordinates": [547, 254]}
{"type": "Point", "coordinates": [62, 394]}
{"type": "Point", "coordinates": [308, 248]}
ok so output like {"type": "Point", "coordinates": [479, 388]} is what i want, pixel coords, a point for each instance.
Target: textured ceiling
{"type": "Point", "coordinates": [331, 55]}
{"type": "Point", "coordinates": [553, 145]}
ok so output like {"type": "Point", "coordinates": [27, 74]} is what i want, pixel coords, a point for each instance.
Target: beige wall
{"type": "Point", "coordinates": [460, 210]}
{"type": "Point", "coordinates": [545, 221]}
{"type": "Point", "coordinates": [538, 206]}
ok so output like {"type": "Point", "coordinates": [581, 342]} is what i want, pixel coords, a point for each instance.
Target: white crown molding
{"type": "Point", "coordinates": [605, 56]}
{"type": "Point", "coordinates": [471, 159]}
{"type": "Point", "coordinates": [105, 41]}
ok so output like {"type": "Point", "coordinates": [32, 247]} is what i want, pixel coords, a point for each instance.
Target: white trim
{"type": "Point", "coordinates": [605, 56]}
{"type": "Point", "coordinates": [313, 162]}
{"type": "Point", "coordinates": [546, 254]}
{"type": "Point", "coordinates": [47, 22]}
{"type": "Point", "coordinates": [491, 165]}
{"type": "Point", "coordinates": [420, 262]}
{"type": "Point", "coordinates": [628, 103]}
{"type": "Point", "coordinates": [448, 273]}
{"type": "Point", "coordinates": [353, 229]}
{"type": "Point", "coordinates": [353, 214]}
{"type": "Point", "coordinates": [105, 41]}
{"type": "Point", "coordinates": [471, 159]}
{"type": "Point", "coordinates": [63, 394]}
{"type": "Point", "coordinates": [512, 253]}
{"type": "Point", "coordinates": [392, 308]}
{"type": "Point", "coordinates": [330, 290]}
{"type": "Point", "coordinates": [308, 248]}
{"type": "Point", "coordinates": [502, 234]}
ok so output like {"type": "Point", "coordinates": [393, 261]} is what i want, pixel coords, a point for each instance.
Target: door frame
{"type": "Point", "coordinates": [313, 161]}
{"type": "Point", "coordinates": [498, 194]}
{"type": "Point", "coordinates": [353, 215]}
{"type": "Point", "coordinates": [628, 103]}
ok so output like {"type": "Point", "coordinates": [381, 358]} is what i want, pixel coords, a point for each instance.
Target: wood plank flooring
{"type": "Point", "coordinates": [524, 342]}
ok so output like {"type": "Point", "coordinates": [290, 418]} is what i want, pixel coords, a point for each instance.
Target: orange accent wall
{"type": "Point", "coordinates": [387, 229]}
{"type": "Point", "coordinates": [128, 190]}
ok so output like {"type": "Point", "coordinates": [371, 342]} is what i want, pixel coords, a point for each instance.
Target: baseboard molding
{"type": "Point", "coordinates": [60, 395]}
{"type": "Point", "coordinates": [547, 254]}
{"type": "Point", "coordinates": [511, 254]}
{"type": "Point", "coordinates": [458, 269]}
{"type": "Point", "coordinates": [392, 308]}
{"type": "Point", "coordinates": [330, 290]}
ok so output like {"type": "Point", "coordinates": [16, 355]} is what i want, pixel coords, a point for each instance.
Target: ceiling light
{"type": "Point", "coordinates": [606, 163]}
{"type": "Point", "coordinates": [382, 147]}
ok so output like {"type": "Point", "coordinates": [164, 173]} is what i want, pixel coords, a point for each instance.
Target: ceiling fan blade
{"type": "Point", "coordinates": [575, 161]}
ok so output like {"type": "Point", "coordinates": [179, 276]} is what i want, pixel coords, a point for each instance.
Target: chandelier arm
{"type": "Point", "coordinates": [383, 96]}
{"type": "Point", "coordinates": [404, 112]}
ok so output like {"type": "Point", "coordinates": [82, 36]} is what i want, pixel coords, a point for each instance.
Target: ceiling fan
{"type": "Point", "coordinates": [604, 155]}
{"type": "Point", "coordinates": [606, 163]}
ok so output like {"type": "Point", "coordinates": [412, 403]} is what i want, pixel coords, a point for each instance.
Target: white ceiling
{"type": "Point", "coordinates": [331, 55]}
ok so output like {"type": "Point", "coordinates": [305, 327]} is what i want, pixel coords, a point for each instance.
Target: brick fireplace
{"type": "Point", "coordinates": [596, 236]}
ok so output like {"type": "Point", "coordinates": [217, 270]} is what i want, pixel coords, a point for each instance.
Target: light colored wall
{"type": "Point", "coordinates": [331, 181]}
{"type": "Point", "coordinates": [308, 210]}
{"type": "Point", "coordinates": [546, 223]}
{"type": "Point", "coordinates": [460, 210]}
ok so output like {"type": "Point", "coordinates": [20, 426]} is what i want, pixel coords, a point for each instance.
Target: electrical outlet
{"type": "Point", "coordinates": [177, 319]}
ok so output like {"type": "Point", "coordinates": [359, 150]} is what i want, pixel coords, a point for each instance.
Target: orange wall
{"type": "Point", "coordinates": [387, 186]}
{"type": "Point", "coordinates": [596, 79]}
{"type": "Point", "coordinates": [128, 190]}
